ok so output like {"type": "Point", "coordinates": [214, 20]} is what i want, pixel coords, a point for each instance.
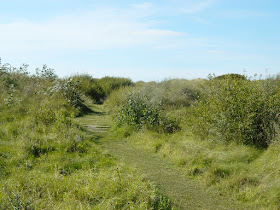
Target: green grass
{"type": "Point", "coordinates": [182, 192]}
{"type": "Point", "coordinates": [241, 173]}
{"type": "Point", "coordinates": [229, 140]}
{"type": "Point", "coordinates": [48, 161]}
{"type": "Point", "coordinates": [67, 170]}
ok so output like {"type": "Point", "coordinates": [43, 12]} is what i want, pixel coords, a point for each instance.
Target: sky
{"type": "Point", "coordinates": [143, 40]}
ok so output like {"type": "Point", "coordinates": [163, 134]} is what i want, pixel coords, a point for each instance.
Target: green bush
{"type": "Point", "coordinates": [99, 89]}
{"type": "Point", "coordinates": [89, 87]}
{"type": "Point", "coordinates": [178, 93]}
{"type": "Point", "coordinates": [139, 111]}
{"type": "Point", "coordinates": [109, 84]}
{"type": "Point", "coordinates": [230, 77]}
{"type": "Point", "coordinates": [69, 90]}
{"type": "Point", "coordinates": [238, 110]}
{"type": "Point", "coordinates": [46, 73]}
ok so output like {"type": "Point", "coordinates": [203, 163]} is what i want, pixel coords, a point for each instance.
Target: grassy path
{"type": "Point", "coordinates": [183, 192]}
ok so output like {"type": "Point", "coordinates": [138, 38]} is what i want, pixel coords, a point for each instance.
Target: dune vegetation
{"type": "Point", "coordinates": [222, 132]}
{"type": "Point", "coordinates": [47, 161]}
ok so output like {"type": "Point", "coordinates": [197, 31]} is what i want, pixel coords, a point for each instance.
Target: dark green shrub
{"type": "Point", "coordinates": [238, 110]}
{"type": "Point", "coordinates": [89, 87]}
{"type": "Point", "coordinates": [170, 125]}
{"type": "Point", "coordinates": [110, 84]}
{"type": "Point", "coordinates": [139, 111]}
{"type": "Point", "coordinates": [97, 93]}
{"type": "Point", "coordinates": [231, 77]}
{"type": "Point", "coordinates": [99, 89]}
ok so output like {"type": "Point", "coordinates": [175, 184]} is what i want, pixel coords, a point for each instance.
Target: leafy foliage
{"type": "Point", "coordinates": [238, 110]}
{"type": "Point", "coordinates": [109, 84]}
{"type": "Point", "coordinates": [139, 111]}
{"type": "Point", "coordinates": [46, 73]}
{"type": "Point", "coordinates": [99, 89]}
{"type": "Point", "coordinates": [177, 93]}
{"type": "Point", "coordinates": [89, 87]}
{"type": "Point", "coordinates": [229, 77]}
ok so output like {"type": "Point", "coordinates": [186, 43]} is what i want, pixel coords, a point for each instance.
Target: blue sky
{"type": "Point", "coordinates": [143, 40]}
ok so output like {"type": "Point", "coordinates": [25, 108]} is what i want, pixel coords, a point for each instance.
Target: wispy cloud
{"type": "Point", "coordinates": [145, 5]}
{"type": "Point", "coordinates": [99, 28]}
{"type": "Point", "coordinates": [95, 30]}
{"type": "Point", "coordinates": [191, 7]}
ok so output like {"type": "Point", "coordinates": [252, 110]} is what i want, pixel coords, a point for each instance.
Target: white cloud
{"type": "Point", "coordinates": [145, 5]}
{"type": "Point", "coordinates": [197, 6]}
{"type": "Point", "coordinates": [191, 6]}
{"type": "Point", "coordinates": [95, 30]}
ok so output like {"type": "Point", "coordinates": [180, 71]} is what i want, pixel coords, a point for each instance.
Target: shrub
{"type": "Point", "coordinates": [178, 92]}
{"type": "Point", "coordinates": [99, 89]}
{"type": "Point", "coordinates": [89, 87]}
{"type": "Point", "coordinates": [109, 84]}
{"type": "Point", "coordinates": [230, 77]}
{"type": "Point", "coordinates": [68, 90]}
{"type": "Point", "coordinates": [139, 111]}
{"type": "Point", "coordinates": [238, 110]}
{"type": "Point", "coordinates": [46, 73]}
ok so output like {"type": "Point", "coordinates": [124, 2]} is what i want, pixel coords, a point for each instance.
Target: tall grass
{"type": "Point", "coordinates": [49, 162]}
{"type": "Point", "coordinates": [230, 134]}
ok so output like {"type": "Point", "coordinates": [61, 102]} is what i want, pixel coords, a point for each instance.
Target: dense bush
{"type": "Point", "coordinates": [178, 93]}
{"type": "Point", "coordinates": [39, 99]}
{"type": "Point", "coordinates": [151, 104]}
{"type": "Point", "coordinates": [139, 111]}
{"type": "Point", "coordinates": [170, 94]}
{"type": "Point", "coordinates": [89, 87]}
{"type": "Point", "coordinates": [99, 89]}
{"type": "Point", "coordinates": [238, 110]}
{"type": "Point", "coordinates": [109, 84]}
{"type": "Point", "coordinates": [229, 77]}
